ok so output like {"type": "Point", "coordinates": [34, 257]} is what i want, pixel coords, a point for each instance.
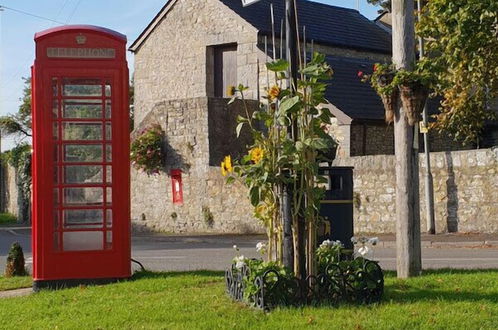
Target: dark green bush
{"type": "Point", "coordinates": [15, 262]}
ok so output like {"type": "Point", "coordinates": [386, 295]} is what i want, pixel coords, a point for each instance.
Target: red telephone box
{"type": "Point", "coordinates": [81, 174]}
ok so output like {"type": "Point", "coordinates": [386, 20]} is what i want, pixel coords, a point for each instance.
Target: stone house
{"type": "Point", "coordinates": [186, 58]}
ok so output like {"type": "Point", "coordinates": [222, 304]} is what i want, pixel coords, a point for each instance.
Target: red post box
{"type": "Point", "coordinates": [81, 174]}
{"type": "Point", "coordinates": [176, 186]}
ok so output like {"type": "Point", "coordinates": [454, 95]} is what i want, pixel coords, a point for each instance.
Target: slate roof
{"type": "Point", "coordinates": [354, 98]}
{"type": "Point", "coordinates": [325, 24]}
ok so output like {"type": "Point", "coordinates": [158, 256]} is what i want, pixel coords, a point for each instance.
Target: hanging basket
{"type": "Point", "coordinates": [390, 102]}
{"type": "Point", "coordinates": [413, 98]}
{"type": "Point", "coordinates": [383, 80]}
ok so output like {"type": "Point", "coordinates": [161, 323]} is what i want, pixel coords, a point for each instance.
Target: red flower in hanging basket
{"type": "Point", "coordinates": [147, 152]}
{"type": "Point", "coordinates": [360, 74]}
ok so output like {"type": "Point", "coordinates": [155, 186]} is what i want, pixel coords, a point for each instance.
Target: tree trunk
{"type": "Point", "coordinates": [408, 249]}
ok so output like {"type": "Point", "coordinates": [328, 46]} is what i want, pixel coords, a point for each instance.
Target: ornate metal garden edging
{"type": "Point", "coordinates": [355, 281]}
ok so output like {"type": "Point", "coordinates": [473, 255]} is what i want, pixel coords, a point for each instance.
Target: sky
{"type": "Point", "coordinates": [129, 17]}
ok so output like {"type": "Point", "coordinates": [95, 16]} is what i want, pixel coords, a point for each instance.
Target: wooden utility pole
{"type": "Point", "coordinates": [408, 249]}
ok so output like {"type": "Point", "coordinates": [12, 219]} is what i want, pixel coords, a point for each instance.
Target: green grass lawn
{"type": "Point", "coordinates": [196, 300]}
{"type": "Point", "coordinates": [10, 283]}
{"type": "Point", "coordinates": [7, 219]}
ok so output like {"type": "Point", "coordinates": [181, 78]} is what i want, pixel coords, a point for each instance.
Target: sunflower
{"type": "Point", "coordinates": [273, 92]}
{"type": "Point", "coordinates": [231, 90]}
{"type": "Point", "coordinates": [226, 165]}
{"type": "Point", "coordinates": [256, 154]}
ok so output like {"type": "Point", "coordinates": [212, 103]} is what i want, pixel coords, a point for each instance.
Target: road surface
{"type": "Point", "coordinates": [181, 253]}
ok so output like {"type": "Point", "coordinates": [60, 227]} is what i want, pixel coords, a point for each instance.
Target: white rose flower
{"type": "Point", "coordinates": [235, 248]}
{"type": "Point", "coordinates": [363, 240]}
{"type": "Point", "coordinates": [239, 262]}
{"type": "Point", "coordinates": [338, 243]}
{"type": "Point", "coordinates": [374, 240]}
{"type": "Point", "coordinates": [239, 265]}
{"type": "Point", "coordinates": [326, 243]}
{"type": "Point", "coordinates": [261, 247]}
{"type": "Point", "coordinates": [365, 252]}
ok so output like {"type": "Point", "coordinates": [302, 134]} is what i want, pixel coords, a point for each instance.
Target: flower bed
{"type": "Point", "coordinates": [340, 279]}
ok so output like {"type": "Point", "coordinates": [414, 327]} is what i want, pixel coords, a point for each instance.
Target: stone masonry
{"type": "Point", "coordinates": [174, 88]}
{"type": "Point", "coordinates": [171, 63]}
{"type": "Point", "coordinates": [209, 205]}
{"type": "Point", "coordinates": [378, 139]}
{"type": "Point", "coordinates": [465, 190]}
{"type": "Point", "coordinates": [9, 193]}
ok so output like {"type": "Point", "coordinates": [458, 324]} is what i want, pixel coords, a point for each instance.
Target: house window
{"type": "Point", "coordinates": [222, 67]}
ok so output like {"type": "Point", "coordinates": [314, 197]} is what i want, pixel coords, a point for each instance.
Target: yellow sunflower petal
{"type": "Point", "coordinates": [228, 164]}
{"type": "Point", "coordinates": [223, 171]}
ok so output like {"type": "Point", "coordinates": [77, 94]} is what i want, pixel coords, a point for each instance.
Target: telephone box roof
{"type": "Point", "coordinates": [81, 28]}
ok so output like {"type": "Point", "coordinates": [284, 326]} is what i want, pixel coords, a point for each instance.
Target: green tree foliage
{"type": "Point", "coordinates": [20, 158]}
{"type": "Point", "coordinates": [462, 43]}
{"type": "Point", "coordinates": [17, 155]}
{"type": "Point", "coordinates": [131, 99]}
{"type": "Point", "coordinates": [19, 124]}
{"type": "Point", "coordinates": [384, 4]}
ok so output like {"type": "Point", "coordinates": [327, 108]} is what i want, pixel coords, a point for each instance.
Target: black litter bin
{"type": "Point", "coordinates": [337, 205]}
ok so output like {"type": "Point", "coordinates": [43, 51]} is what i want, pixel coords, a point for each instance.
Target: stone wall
{"type": "Point", "coordinates": [222, 125]}
{"type": "Point", "coordinates": [443, 142]}
{"type": "Point", "coordinates": [346, 52]}
{"type": "Point", "coordinates": [342, 136]}
{"type": "Point", "coordinates": [9, 190]}
{"type": "Point", "coordinates": [465, 190]}
{"type": "Point", "coordinates": [377, 138]}
{"type": "Point", "coordinates": [209, 205]}
{"type": "Point", "coordinates": [371, 139]}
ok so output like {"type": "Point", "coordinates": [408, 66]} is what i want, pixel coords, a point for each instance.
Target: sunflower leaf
{"type": "Point", "coordinates": [239, 128]}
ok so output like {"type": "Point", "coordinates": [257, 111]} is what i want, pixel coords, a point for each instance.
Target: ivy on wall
{"type": "Point", "coordinates": [20, 158]}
